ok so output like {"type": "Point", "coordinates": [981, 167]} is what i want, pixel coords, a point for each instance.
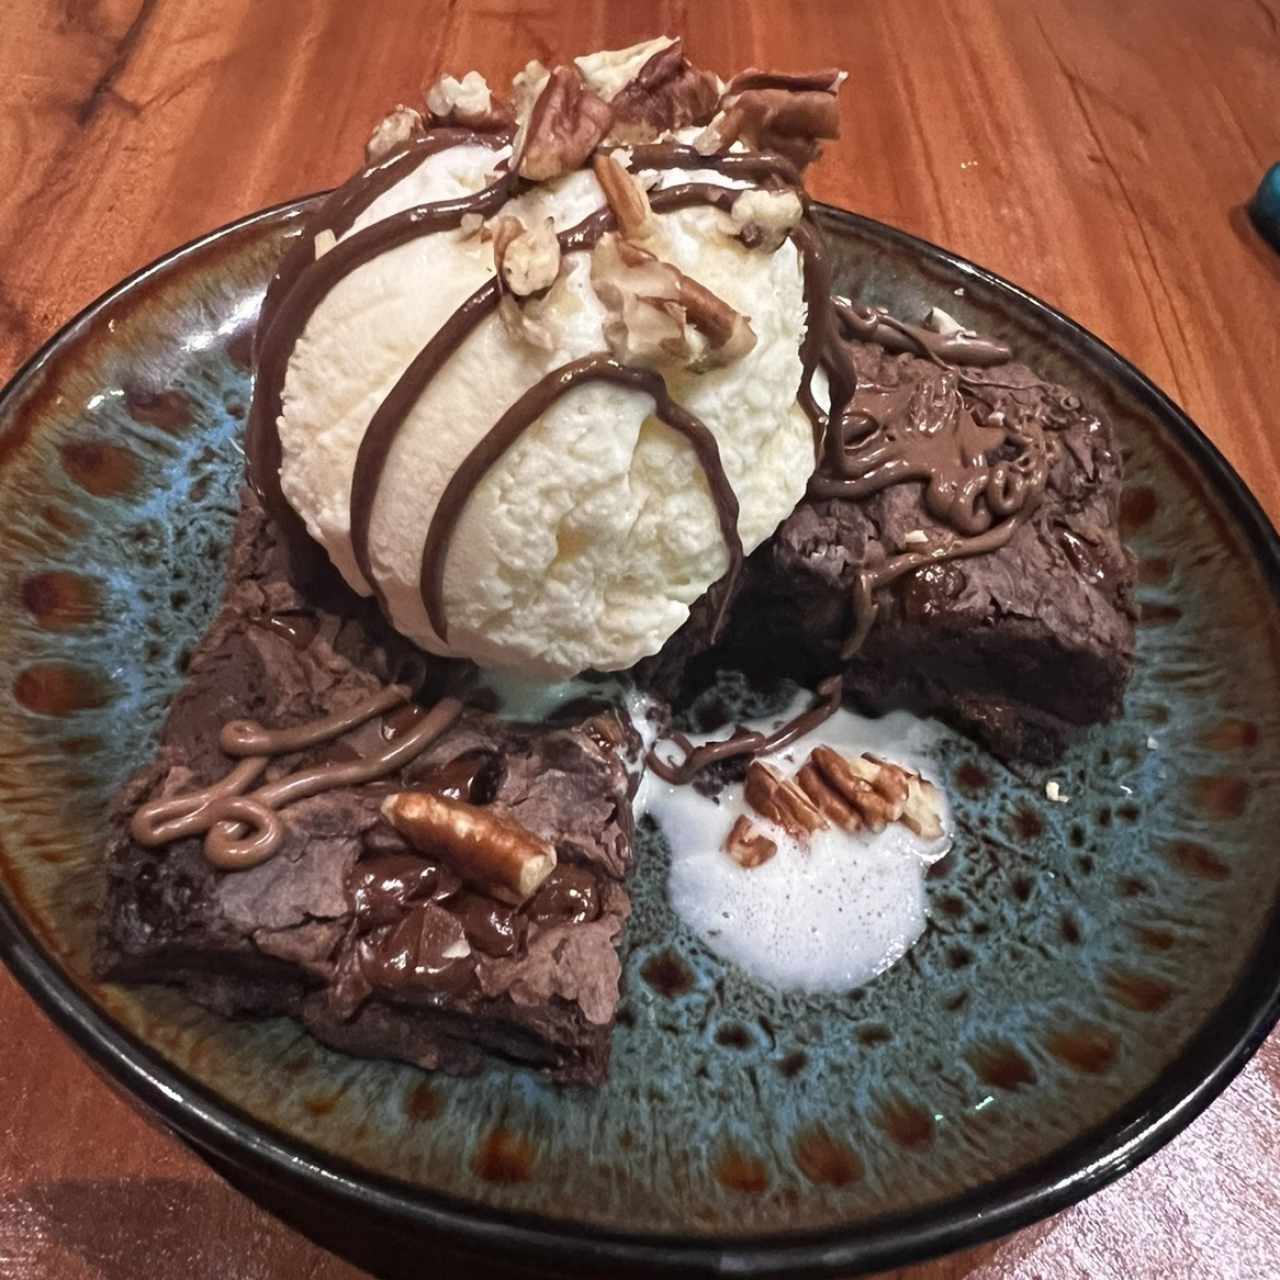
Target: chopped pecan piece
{"type": "Point", "coordinates": [827, 800]}
{"type": "Point", "coordinates": [849, 778]}
{"type": "Point", "coordinates": [564, 125]}
{"type": "Point", "coordinates": [651, 302]}
{"type": "Point", "coordinates": [468, 104]}
{"type": "Point", "coordinates": [748, 846]}
{"type": "Point", "coordinates": [625, 196]}
{"type": "Point", "coordinates": [880, 791]}
{"type": "Point", "coordinates": [779, 799]}
{"type": "Point", "coordinates": [392, 133]}
{"type": "Point", "coordinates": [527, 259]}
{"type": "Point", "coordinates": [490, 850]}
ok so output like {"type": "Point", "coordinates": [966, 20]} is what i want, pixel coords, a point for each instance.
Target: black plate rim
{"type": "Point", "coordinates": [1210, 1061]}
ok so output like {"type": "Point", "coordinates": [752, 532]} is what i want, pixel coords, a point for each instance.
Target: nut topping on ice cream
{"type": "Point", "coordinates": [539, 445]}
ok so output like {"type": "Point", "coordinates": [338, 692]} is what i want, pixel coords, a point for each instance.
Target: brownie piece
{"type": "Point", "coordinates": [1017, 647]}
{"type": "Point", "coordinates": [346, 928]}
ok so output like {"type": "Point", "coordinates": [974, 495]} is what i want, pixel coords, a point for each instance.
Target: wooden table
{"type": "Point", "coordinates": [1098, 153]}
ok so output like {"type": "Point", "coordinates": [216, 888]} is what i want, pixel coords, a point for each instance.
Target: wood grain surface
{"type": "Point", "coordinates": [1098, 152]}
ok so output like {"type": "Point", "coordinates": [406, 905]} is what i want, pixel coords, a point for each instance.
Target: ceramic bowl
{"type": "Point", "coordinates": [1093, 974]}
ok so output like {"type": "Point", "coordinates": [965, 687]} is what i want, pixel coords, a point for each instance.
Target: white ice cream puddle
{"type": "Point", "coordinates": [828, 916]}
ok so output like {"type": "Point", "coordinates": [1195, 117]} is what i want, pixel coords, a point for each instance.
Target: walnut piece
{"type": "Point", "coordinates": [654, 306]}
{"type": "Point", "coordinates": [780, 800]}
{"type": "Point", "coordinates": [468, 104]}
{"type": "Point", "coordinates": [748, 846]}
{"type": "Point", "coordinates": [392, 133]}
{"type": "Point", "coordinates": [490, 850]}
{"type": "Point", "coordinates": [560, 126]}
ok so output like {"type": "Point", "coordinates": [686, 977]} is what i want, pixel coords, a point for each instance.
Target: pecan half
{"type": "Point", "coordinates": [779, 799]}
{"type": "Point", "coordinates": [564, 125]}
{"type": "Point", "coordinates": [468, 104]}
{"type": "Point", "coordinates": [828, 801]}
{"type": "Point", "coordinates": [774, 119]}
{"type": "Point", "coordinates": [392, 133]}
{"type": "Point", "coordinates": [490, 850]}
{"type": "Point", "coordinates": [748, 846]}
{"type": "Point", "coordinates": [667, 93]}
{"type": "Point", "coordinates": [828, 80]}
{"type": "Point", "coordinates": [879, 791]}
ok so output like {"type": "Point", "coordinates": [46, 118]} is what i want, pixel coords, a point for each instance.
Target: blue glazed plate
{"type": "Point", "coordinates": [1094, 972]}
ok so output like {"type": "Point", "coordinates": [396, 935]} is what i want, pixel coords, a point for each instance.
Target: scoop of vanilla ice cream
{"type": "Point", "coordinates": [588, 541]}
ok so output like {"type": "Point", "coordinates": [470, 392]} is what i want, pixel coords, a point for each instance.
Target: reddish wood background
{"type": "Point", "coordinates": [1098, 153]}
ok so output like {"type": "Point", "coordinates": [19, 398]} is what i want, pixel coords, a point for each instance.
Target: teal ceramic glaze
{"type": "Point", "coordinates": [1093, 973]}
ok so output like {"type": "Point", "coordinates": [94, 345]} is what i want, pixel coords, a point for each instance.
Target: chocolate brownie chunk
{"type": "Point", "coordinates": [378, 949]}
{"type": "Point", "coordinates": [1018, 646]}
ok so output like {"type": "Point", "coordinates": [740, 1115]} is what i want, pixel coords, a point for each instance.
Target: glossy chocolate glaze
{"type": "Point", "coordinates": [875, 324]}
{"type": "Point", "coordinates": [569, 895]}
{"type": "Point", "coordinates": [381, 889]}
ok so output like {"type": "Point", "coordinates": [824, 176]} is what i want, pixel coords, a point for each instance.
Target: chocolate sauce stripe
{"type": "Point", "coordinates": [746, 164]}
{"type": "Point", "coordinates": [313, 284]}
{"type": "Point", "coordinates": [341, 207]}
{"type": "Point", "coordinates": [744, 742]}
{"type": "Point", "coordinates": [526, 410]}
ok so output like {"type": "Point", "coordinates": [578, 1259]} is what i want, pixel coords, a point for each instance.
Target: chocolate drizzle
{"type": "Point", "coordinates": [240, 830]}
{"type": "Point", "coordinates": [304, 281]}
{"type": "Point", "coordinates": [765, 165]}
{"type": "Point", "coordinates": [746, 742]}
{"type": "Point", "coordinates": [875, 324]}
{"type": "Point", "coordinates": [943, 443]}
{"type": "Point", "coordinates": [379, 438]}
{"type": "Point", "coordinates": [301, 285]}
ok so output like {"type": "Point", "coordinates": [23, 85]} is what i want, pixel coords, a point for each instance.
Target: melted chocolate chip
{"type": "Point", "coordinates": [569, 895]}
{"type": "Point", "coordinates": [427, 950]}
{"type": "Point", "coordinates": [298, 629]}
{"type": "Point", "coordinates": [490, 926]}
{"type": "Point", "coordinates": [930, 591]}
{"type": "Point", "coordinates": [382, 889]}
{"type": "Point", "coordinates": [473, 777]}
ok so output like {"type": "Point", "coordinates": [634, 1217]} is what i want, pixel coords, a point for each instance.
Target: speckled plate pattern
{"type": "Point", "coordinates": [1093, 973]}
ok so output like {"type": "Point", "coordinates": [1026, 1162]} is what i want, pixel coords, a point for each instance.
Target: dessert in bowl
{"type": "Point", "coordinates": [1097, 945]}
{"type": "Point", "coordinates": [557, 427]}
